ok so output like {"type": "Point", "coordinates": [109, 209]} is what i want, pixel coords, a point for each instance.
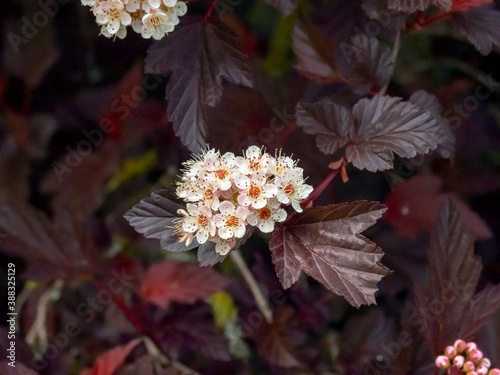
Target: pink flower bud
{"type": "Point", "coordinates": [450, 352]}
{"type": "Point", "coordinates": [442, 362]}
{"type": "Point", "coordinates": [481, 370]}
{"type": "Point", "coordinates": [470, 346]}
{"type": "Point", "coordinates": [472, 373]}
{"type": "Point", "coordinates": [460, 346]}
{"type": "Point", "coordinates": [469, 366]}
{"type": "Point", "coordinates": [458, 361]}
{"type": "Point", "coordinates": [485, 362]}
{"type": "Point", "coordinates": [494, 371]}
{"type": "Point", "coordinates": [475, 355]}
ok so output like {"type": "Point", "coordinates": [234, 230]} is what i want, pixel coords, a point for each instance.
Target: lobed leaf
{"type": "Point", "coordinates": [108, 362]}
{"type": "Point", "coordinates": [196, 74]}
{"type": "Point", "coordinates": [411, 6]}
{"type": "Point", "coordinates": [182, 282]}
{"type": "Point", "coordinates": [325, 243]}
{"type": "Point", "coordinates": [481, 26]}
{"type": "Point", "coordinates": [377, 129]}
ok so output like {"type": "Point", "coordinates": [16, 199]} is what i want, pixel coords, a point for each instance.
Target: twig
{"type": "Point", "coordinates": [210, 10]}
{"type": "Point", "coordinates": [261, 301]}
{"type": "Point", "coordinates": [322, 186]}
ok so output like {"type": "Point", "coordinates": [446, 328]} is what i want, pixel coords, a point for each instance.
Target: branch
{"type": "Point", "coordinates": [261, 301]}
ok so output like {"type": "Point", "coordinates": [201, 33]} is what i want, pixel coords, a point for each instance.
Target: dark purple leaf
{"type": "Point", "coordinates": [428, 102]}
{"type": "Point", "coordinates": [325, 243]}
{"type": "Point", "coordinates": [207, 255]}
{"type": "Point", "coordinates": [373, 67]}
{"type": "Point", "coordinates": [154, 217]}
{"type": "Point", "coordinates": [285, 7]}
{"type": "Point", "coordinates": [383, 126]}
{"type": "Point", "coordinates": [454, 275]}
{"type": "Point", "coordinates": [315, 54]}
{"type": "Point", "coordinates": [274, 341]}
{"type": "Point", "coordinates": [189, 328]}
{"type": "Point", "coordinates": [18, 369]}
{"type": "Point", "coordinates": [481, 26]}
{"type": "Point", "coordinates": [182, 282]}
{"type": "Point", "coordinates": [197, 74]}
{"type": "Point", "coordinates": [58, 248]}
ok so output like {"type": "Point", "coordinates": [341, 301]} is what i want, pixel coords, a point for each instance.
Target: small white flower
{"type": "Point", "coordinates": [292, 188]}
{"type": "Point", "coordinates": [112, 15]}
{"type": "Point", "coordinates": [231, 220]}
{"type": "Point", "coordinates": [89, 3]}
{"type": "Point", "coordinates": [169, 3]}
{"type": "Point", "coordinates": [145, 5]}
{"type": "Point", "coordinates": [265, 217]}
{"type": "Point", "coordinates": [180, 8]}
{"type": "Point", "coordinates": [156, 25]}
{"type": "Point", "coordinates": [220, 173]}
{"type": "Point", "coordinates": [253, 161]}
{"type": "Point", "coordinates": [199, 220]}
{"type": "Point", "coordinates": [259, 191]}
{"type": "Point", "coordinates": [222, 247]}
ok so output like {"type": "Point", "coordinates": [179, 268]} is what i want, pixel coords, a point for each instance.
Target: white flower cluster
{"type": "Point", "coordinates": [226, 193]}
{"type": "Point", "coordinates": [150, 18]}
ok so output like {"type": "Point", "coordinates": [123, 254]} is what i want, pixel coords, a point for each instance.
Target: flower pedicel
{"type": "Point", "coordinates": [226, 193]}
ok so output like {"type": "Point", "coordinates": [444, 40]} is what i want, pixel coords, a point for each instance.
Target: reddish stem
{"type": "Point", "coordinates": [421, 22]}
{"type": "Point", "coordinates": [210, 10]}
{"type": "Point", "coordinates": [322, 186]}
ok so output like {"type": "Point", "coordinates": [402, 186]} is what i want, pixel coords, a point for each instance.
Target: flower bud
{"type": "Point", "coordinates": [494, 371]}
{"type": "Point", "coordinates": [472, 373]}
{"type": "Point", "coordinates": [450, 352]}
{"type": "Point", "coordinates": [460, 346]}
{"type": "Point", "coordinates": [469, 366]}
{"type": "Point", "coordinates": [470, 347]}
{"type": "Point", "coordinates": [482, 370]}
{"type": "Point", "coordinates": [485, 362]}
{"type": "Point", "coordinates": [475, 355]}
{"type": "Point", "coordinates": [458, 361]}
{"type": "Point", "coordinates": [442, 362]}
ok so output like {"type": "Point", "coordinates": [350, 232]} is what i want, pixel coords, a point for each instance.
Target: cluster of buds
{"type": "Point", "coordinates": [226, 193]}
{"type": "Point", "coordinates": [150, 18]}
{"type": "Point", "coordinates": [465, 356]}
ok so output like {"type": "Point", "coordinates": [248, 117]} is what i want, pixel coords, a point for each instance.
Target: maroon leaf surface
{"type": "Point", "coordinates": [381, 127]}
{"type": "Point", "coordinates": [481, 26]}
{"type": "Point", "coordinates": [373, 67]}
{"type": "Point", "coordinates": [154, 218]}
{"type": "Point", "coordinates": [182, 282]}
{"type": "Point", "coordinates": [449, 307]}
{"type": "Point", "coordinates": [325, 243]}
{"type": "Point", "coordinates": [58, 248]}
{"type": "Point", "coordinates": [197, 74]}
{"type": "Point", "coordinates": [108, 362]}
{"type": "Point", "coordinates": [315, 54]}
{"type": "Point", "coordinates": [285, 7]}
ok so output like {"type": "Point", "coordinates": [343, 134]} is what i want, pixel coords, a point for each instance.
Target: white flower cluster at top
{"type": "Point", "coordinates": [226, 193]}
{"type": "Point", "coordinates": [150, 18]}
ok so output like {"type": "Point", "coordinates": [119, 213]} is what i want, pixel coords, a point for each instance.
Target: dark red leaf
{"type": "Point", "coordinates": [373, 66]}
{"type": "Point", "coordinates": [382, 126]}
{"type": "Point", "coordinates": [108, 362]}
{"type": "Point", "coordinates": [58, 248]}
{"type": "Point", "coordinates": [154, 218]}
{"type": "Point", "coordinates": [182, 282]}
{"type": "Point", "coordinates": [285, 7]}
{"type": "Point", "coordinates": [449, 306]}
{"type": "Point", "coordinates": [191, 328]}
{"type": "Point", "coordinates": [197, 74]}
{"type": "Point", "coordinates": [414, 204]}
{"type": "Point", "coordinates": [325, 243]}
{"type": "Point", "coordinates": [481, 26]}
{"type": "Point", "coordinates": [274, 342]}
{"type": "Point", "coordinates": [19, 369]}
{"type": "Point", "coordinates": [315, 54]}
{"type": "Point", "coordinates": [464, 5]}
